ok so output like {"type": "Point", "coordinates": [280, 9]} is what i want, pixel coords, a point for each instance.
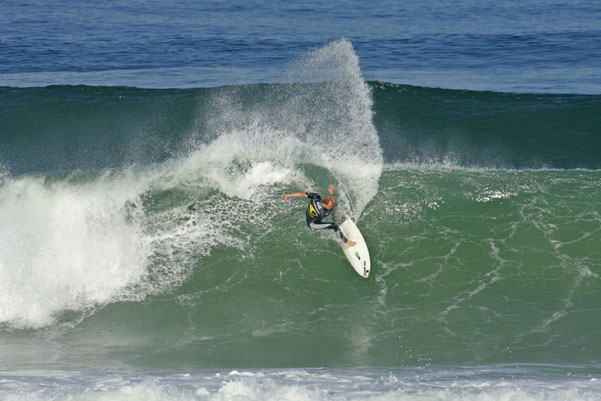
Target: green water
{"type": "Point", "coordinates": [469, 268]}
{"type": "Point", "coordinates": [146, 228]}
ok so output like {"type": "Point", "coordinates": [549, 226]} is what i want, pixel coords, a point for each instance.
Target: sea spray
{"type": "Point", "coordinates": [84, 240]}
{"type": "Point", "coordinates": [355, 157]}
{"type": "Point", "coordinates": [78, 242]}
{"type": "Point", "coordinates": [323, 118]}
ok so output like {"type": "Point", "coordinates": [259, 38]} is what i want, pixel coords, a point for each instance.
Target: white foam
{"type": "Point", "coordinates": [451, 164]}
{"type": "Point", "coordinates": [296, 385]}
{"type": "Point", "coordinates": [239, 164]}
{"type": "Point", "coordinates": [65, 245]}
{"type": "Point", "coordinates": [326, 122]}
{"type": "Point", "coordinates": [80, 242]}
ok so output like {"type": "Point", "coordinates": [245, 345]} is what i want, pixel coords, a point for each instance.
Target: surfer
{"type": "Point", "coordinates": [320, 208]}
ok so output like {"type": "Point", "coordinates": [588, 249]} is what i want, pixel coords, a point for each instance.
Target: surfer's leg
{"type": "Point", "coordinates": [328, 226]}
{"type": "Point", "coordinates": [324, 226]}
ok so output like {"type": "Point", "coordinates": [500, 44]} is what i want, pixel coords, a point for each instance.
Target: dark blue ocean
{"type": "Point", "coordinates": [529, 46]}
{"type": "Point", "coordinates": [146, 252]}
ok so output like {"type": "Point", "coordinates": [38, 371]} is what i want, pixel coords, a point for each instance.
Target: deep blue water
{"type": "Point", "coordinates": [518, 46]}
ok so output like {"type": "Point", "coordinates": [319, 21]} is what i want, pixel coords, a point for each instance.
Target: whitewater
{"type": "Point", "coordinates": [88, 238]}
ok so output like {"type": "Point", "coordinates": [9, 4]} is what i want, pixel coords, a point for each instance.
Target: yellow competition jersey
{"type": "Point", "coordinates": [315, 210]}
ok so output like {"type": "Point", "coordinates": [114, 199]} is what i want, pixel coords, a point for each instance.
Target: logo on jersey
{"type": "Point", "coordinates": [312, 211]}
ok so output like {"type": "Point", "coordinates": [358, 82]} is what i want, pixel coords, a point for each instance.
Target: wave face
{"type": "Point", "coordinates": [62, 128]}
{"type": "Point", "coordinates": [125, 204]}
{"type": "Point", "coordinates": [147, 228]}
{"type": "Point", "coordinates": [487, 130]}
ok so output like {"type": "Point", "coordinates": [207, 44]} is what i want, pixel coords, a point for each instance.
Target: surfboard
{"type": "Point", "coordinates": [357, 255]}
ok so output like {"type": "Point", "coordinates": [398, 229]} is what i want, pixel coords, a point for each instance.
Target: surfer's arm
{"type": "Point", "coordinates": [295, 194]}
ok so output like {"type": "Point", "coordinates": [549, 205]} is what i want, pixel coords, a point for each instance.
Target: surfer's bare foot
{"type": "Point", "coordinates": [351, 243]}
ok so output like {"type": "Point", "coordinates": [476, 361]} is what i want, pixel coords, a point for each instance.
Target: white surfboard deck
{"type": "Point", "coordinates": [357, 255]}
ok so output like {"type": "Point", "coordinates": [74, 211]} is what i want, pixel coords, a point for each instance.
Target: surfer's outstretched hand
{"type": "Point", "coordinates": [331, 189]}
{"type": "Point", "coordinates": [351, 243]}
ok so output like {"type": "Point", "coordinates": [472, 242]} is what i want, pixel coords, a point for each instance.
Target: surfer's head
{"type": "Point", "coordinates": [329, 202]}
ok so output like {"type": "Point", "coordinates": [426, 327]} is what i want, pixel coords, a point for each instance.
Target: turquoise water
{"type": "Point", "coordinates": [146, 251]}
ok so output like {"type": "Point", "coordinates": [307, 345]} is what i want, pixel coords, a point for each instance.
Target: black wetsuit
{"type": "Point", "coordinates": [316, 212]}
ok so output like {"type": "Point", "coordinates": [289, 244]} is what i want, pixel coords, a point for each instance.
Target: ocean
{"type": "Point", "coordinates": [146, 252]}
